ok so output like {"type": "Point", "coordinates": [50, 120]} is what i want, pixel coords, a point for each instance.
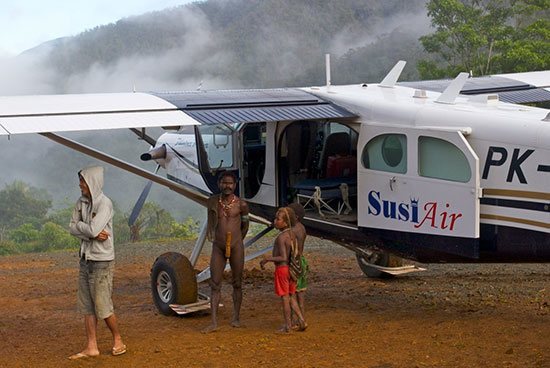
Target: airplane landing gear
{"type": "Point", "coordinates": [173, 281]}
{"type": "Point", "coordinates": [373, 262]}
{"type": "Point", "coordinates": [378, 264]}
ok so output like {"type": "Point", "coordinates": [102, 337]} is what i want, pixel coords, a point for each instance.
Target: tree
{"type": "Point", "coordinates": [62, 216]}
{"type": "Point", "coordinates": [528, 49]}
{"type": "Point", "coordinates": [52, 236]}
{"type": "Point", "coordinates": [185, 230]}
{"type": "Point", "coordinates": [485, 37]}
{"type": "Point", "coordinates": [24, 233]}
{"type": "Point", "coordinates": [21, 203]}
{"type": "Point", "coordinates": [152, 222]}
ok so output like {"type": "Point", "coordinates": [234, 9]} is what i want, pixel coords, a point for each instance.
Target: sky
{"type": "Point", "coordinates": [25, 24]}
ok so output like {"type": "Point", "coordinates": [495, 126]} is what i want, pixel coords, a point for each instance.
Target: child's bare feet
{"type": "Point", "coordinates": [210, 328]}
{"type": "Point", "coordinates": [302, 325]}
{"type": "Point", "coordinates": [236, 323]}
{"type": "Point", "coordinates": [283, 330]}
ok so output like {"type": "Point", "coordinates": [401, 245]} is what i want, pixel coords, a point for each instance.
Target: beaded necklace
{"type": "Point", "coordinates": [227, 206]}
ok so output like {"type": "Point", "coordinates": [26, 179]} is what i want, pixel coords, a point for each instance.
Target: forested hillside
{"type": "Point", "coordinates": [251, 43]}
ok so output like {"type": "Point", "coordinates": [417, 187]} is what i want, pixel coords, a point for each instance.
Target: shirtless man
{"type": "Point", "coordinates": [285, 287]}
{"type": "Point", "coordinates": [299, 231]}
{"type": "Point", "coordinates": [227, 227]}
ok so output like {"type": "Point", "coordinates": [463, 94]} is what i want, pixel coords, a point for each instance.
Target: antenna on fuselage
{"type": "Point", "coordinates": [327, 70]}
{"type": "Point", "coordinates": [453, 90]}
{"type": "Point", "coordinates": [391, 78]}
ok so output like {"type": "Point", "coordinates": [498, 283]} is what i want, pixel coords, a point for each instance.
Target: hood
{"type": "Point", "coordinates": [93, 176]}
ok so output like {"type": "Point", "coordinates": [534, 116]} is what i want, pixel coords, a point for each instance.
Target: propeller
{"type": "Point", "coordinates": [140, 201]}
{"type": "Point", "coordinates": [159, 152]}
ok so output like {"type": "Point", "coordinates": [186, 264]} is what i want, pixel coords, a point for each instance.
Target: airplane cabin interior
{"type": "Point", "coordinates": [317, 164]}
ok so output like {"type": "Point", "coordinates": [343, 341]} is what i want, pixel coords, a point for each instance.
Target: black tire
{"type": "Point", "coordinates": [173, 281]}
{"type": "Point", "coordinates": [383, 259]}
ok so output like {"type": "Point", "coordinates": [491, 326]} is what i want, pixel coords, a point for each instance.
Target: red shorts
{"type": "Point", "coordinates": [283, 284]}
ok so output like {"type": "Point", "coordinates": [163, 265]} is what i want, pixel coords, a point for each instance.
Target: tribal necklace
{"type": "Point", "coordinates": [226, 207]}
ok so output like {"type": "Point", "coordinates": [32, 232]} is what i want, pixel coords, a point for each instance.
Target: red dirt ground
{"type": "Point", "coordinates": [448, 316]}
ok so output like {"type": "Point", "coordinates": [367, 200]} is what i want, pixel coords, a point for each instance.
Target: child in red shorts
{"type": "Point", "coordinates": [285, 287]}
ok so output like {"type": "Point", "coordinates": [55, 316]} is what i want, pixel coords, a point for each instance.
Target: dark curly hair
{"type": "Point", "coordinates": [230, 174]}
{"type": "Point", "coordinates": [298, 210]}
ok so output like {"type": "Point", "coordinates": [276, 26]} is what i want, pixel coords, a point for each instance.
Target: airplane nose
{"type": "Point", "coordinates": [154, 154]}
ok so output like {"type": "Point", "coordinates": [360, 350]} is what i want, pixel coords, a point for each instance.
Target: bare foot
{"type": "Point", "coordinates": [302, 326]}
{"type": "Point", "coordinates": [210, 328]}
{"type": "Point", "coordinates": [236, 323]}
{"type": "Point", "coordinates": [283, 330]}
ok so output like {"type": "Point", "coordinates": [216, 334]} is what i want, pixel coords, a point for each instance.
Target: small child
{"type": "Point", "coordinates": [300, 235]}
{"type": "Point", "coordinates": [284, 286]}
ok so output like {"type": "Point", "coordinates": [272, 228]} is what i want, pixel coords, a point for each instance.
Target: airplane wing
{"type": "Point", "coordinates": [519, 88]}
{"type": "Point", "coordinates": [81, 112]}
{"type": "Point", "coordinates": [65, 113]}
{"type": "Point", "coordinates": [254, 105]}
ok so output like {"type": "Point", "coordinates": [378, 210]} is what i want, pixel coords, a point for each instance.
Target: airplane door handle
{"type": "Point", "coordinates": [392, 183]}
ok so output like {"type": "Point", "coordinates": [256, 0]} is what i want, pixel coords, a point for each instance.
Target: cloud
{"type": "Point", "coordinates": [195, 59]}
{"type": "Point", "coordinates": [26, 74]}
{"type": "Point", "coordinates": [354, 37]}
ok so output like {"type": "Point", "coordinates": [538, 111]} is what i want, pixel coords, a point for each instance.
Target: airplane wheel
{"type": "Point", "coordinates": [173, 281]}
{"type": "Point", "coordinates": [383, 259]}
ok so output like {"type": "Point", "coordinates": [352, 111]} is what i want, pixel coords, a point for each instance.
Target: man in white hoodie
{"type": "Point", "coordinates": [92, 223]}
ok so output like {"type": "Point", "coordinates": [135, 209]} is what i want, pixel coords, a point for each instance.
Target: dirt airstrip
{"type": "Point", "coordinates": [449, 316]}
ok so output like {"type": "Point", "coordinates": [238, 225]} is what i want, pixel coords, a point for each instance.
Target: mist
{"type": "Point", "coordinates": [199, 57]}
{"type": "Point", "coordinates": [44, 164]}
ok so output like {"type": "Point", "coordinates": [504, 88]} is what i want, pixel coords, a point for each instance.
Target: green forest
{"type": "Point", "coordinates": [29, 224]}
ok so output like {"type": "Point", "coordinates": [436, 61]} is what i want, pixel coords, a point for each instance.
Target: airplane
{"type": "Point", "coordinates": [431, 171]}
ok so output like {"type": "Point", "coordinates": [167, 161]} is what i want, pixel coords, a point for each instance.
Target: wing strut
{"type": "Point", "coordinates": [194, 195]}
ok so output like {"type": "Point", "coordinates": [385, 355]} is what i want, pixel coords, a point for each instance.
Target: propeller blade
{"type": "Point", "coordinates": [140, 201]}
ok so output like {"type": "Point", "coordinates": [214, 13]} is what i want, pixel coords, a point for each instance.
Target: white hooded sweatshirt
{"type": "Point", "coordinates": [91, 216]}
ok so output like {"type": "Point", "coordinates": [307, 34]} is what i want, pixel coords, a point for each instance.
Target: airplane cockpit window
{"type": "Point", "coordinates": [386, 152]}
{"type": "Point", "coordinates": [218, 145]}
{"type": "Point", "coordinates": [440, 159]}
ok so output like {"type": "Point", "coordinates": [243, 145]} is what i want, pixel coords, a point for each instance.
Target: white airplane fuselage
{"type": "Point", "coordinates": [467, 180]}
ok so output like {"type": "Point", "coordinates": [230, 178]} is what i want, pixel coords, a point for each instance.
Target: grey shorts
{"type": "Point", "coordinates": [95, 287]}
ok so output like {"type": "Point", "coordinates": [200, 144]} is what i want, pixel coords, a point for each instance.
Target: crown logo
{"type": "Point", "coordinates": [414, 202]}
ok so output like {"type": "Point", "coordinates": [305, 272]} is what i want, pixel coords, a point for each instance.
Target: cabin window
{"type": "Point", "coordinates": [440, 159]}
{"type": "Point", "coordinates": [386, 152]}
{"type": "Point", "coordinates": [218, 145]}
